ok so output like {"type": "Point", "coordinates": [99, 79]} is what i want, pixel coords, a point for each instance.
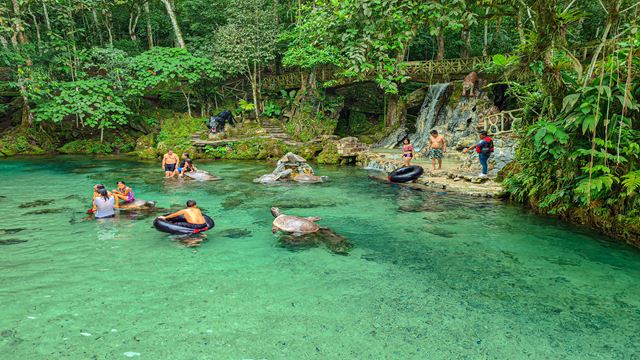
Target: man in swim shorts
{"type": "Point", "coordinates": [169, 162]}
{"type": "Point", "coordinates": [436, 149]}
{"type": "Point", "coordinates": [191, 214]}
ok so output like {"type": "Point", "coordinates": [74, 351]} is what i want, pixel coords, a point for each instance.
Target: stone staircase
{"type": "Point", "coordinates": [275, 131]}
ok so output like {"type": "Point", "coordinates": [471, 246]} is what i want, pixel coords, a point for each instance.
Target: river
{"type": "Point", "coordinates": [428, 275]}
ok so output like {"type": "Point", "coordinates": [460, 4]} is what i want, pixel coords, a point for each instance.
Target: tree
{"type": "Point", "coordinates": [174, 22]}
{"type": "Point", "coordinates": [247, 42]}
{"type": "Point", "coordinates": [171, 68]}
{"type": "Point", "coordinates": [95, 102]}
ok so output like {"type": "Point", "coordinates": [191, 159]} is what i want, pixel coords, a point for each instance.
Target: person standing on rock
{"type": "Point", "coordinates": [484, 149]}
{"type": "Point", "coordinates": [436, 149]}
{"type": "Point", "coordinates": [408, 152]}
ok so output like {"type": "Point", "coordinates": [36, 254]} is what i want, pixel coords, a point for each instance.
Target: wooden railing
{"type": "Point", "coordinates": [416, 70]}
{"type": "Point", "coordinates": [502, 122]}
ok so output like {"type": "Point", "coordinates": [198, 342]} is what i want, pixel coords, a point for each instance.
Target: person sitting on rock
{"type": "Point", "coordinates": [123, 193]}
{"type": "Point", "coordinates": [188, 167]}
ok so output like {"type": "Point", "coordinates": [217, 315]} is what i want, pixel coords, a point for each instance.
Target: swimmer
{"type": "Point", "coordinates": [191, 214]}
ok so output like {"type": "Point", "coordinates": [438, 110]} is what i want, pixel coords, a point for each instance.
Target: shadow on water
{"type": "Point", "coordinates": [335, 243]}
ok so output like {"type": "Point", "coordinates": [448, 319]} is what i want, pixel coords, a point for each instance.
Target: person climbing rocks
{"type": "Point", "coordinates": [169, 162]}
{"type": "Point", "coordinates": [123, 193]}
{"type": "Point", "coordinates": [408, 152]}
{"type": "Point", "coordinates": [191, 215]}
{"type": "Point", "coordinates": [217, 123]}
{"type": "Point", "coordinates": [436, 149]}
{"type": "Point", "coordinates": [104, 205]}
{"type": "Point", "coordinates": [484, 148]}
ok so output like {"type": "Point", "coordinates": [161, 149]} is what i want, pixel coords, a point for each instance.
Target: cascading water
{"type": "Point", "coordinates": [427, 116]}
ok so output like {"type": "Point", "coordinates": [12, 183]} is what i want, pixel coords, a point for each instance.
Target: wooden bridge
{"type": "Point", "coordinates": [421, 71]}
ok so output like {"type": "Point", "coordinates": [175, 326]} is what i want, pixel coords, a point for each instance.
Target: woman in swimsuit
{"type": "Point", "coordinates": [408, 152]}
{"type": "Point", "coordinates": [124, 193]}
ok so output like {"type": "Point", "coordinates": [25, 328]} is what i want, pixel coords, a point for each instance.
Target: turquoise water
{"type": "Point", "coordinates": [428, 275]}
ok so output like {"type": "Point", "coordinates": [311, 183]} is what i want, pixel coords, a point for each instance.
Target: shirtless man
{"type": "Point", "coordinates": [436, 149]}
{"type": "Point", "coordinates": [169, 162]}
{"type": "Point", "coordinates": [191, 214]}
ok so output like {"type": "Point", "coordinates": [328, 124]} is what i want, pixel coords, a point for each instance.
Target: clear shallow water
{"type": "Point", "coordinates": [429, 276]}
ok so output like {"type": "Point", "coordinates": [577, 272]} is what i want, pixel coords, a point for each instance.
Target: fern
{"type": "Point", "coordinates": [631, 182]}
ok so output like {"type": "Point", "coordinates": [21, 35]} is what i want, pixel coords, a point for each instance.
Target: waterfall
{"type": "Point", "coordinates": [427, 116]}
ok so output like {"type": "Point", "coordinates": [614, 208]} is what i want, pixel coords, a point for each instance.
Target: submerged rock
{"type": "Point", "coordinates": [12, 231]}
{"type": "Point", "coordinates": [235, 233]}
{"type": "Point", "coordinates": [46, 211]}
{"type": "Point", "coordinates": [12, 241]}
{"type": "Point", "coordinates": [36, 203]}
{"type": "Point", "coordinates": [335, 243]}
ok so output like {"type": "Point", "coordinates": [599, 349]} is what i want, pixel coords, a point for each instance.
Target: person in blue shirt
{"type": "Point", "coordinates": [484, 148]}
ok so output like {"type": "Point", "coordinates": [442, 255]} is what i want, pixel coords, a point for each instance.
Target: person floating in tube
{"type": "Point", "coordinates": [191, 214]}
{"type": "Point", "coordinates": [408, 152]}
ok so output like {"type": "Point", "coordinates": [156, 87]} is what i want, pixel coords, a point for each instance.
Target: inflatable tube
{"type": "Point", "coordinates": [178, 226]}
{"type": "Point", "coordinates": [405, 174]}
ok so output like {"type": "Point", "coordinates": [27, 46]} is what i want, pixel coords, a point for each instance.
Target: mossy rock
{"type": "Point", "coordinates": [255, 149]}
{"type": "Point", "coordinates": [175, 132]}
{"type": "Point", "coordinates": [27, 141]}
{"type": "Point", "coordinates": [329, 154]}
{"type": "Point", "coordinates": [86, 147]}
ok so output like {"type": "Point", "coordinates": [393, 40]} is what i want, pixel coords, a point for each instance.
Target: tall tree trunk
{"type": "Point", "coordinates": [94, 15]}
{"type": "Point", "coordinates": [147, 16]}
{"type": "Point", "coordinates": [108, 25]}
{"type": "Point", "coordinates": [392, 116]}
{"type": "Point", "coordinates": [45, 12]}
{"type": "Point", "coordinates": [520, 27]}
{"type": "Point", "coordinates": [133, 24]}
{"type": "Point", "coordinates": [486, 34]}
{"type": "Point", "coordinates": [36, 25]}
{"type": "Point", "coordinates": [174, 22]}
{"type": "Point", "coordinates": [26, 118]}
{"type": "Point", "coordinates": [440, 54]}
{"type": "Point", "coordinates": [254, 91]}
{"type": "Point", "coordinates": [466, 40]}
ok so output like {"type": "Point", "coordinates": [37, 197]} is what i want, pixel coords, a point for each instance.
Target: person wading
{"type": "Point", "coordinates": [169, 162]}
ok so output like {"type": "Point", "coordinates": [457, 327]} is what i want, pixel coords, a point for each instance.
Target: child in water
{"type": "Point", "coordinates": [123, 193]}
{"type": "Point", "coordinates": [408, 152]}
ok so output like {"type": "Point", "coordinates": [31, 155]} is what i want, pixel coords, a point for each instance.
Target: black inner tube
{"type": "Point", "coordinates": [405, 174]}
{"type": "Point", "coordinates": [180, 226]}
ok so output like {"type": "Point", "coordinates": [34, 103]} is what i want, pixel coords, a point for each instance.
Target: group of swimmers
{"type": "Point", "coordinates": [172, 165]}
{"type": "Point", "coordinates": [104, 202]}
{"type": "Point", "coordinates": [437, 148]}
